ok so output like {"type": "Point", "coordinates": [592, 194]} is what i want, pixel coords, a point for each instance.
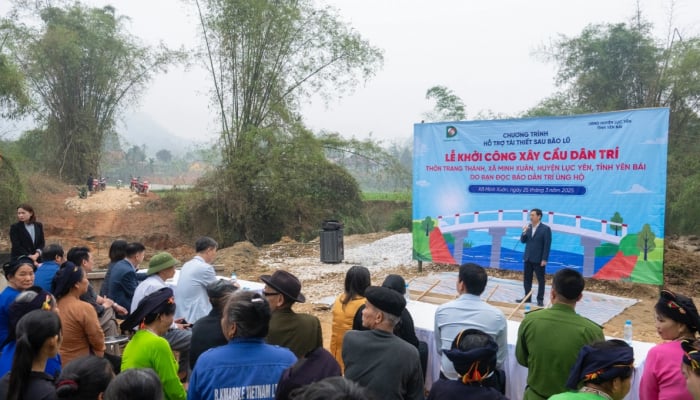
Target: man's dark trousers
{"type": "Point", "coordinates": [538, 270]}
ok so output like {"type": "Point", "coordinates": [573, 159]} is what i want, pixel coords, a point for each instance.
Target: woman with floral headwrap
{"type": "Point", "coordinates": [34, 298]}
{"type": "Point", "coordinates": [676, 320]}
{"type": "Point", "coordinates": [603, 370]}
{"type": "Point", "coordinates": [148, 348]}
{"type": "Point", "coordinates": [691, 366]}
{"type": "Point", "coordinates": [82, 333]}
{"type": "Point", "coordinates": [473, 355]}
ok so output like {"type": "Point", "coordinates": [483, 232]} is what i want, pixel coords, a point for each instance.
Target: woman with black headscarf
{"type": "Point", "coordinates": [82, 332]}
{"type": "Point", "coordinates": [676, 320]}
{"type": "Point", "coordinates": [603, 370]}
{"type": "Point", "coordinates": [473, 355]}
{"type": "Point", "coordinates": [20, 276]}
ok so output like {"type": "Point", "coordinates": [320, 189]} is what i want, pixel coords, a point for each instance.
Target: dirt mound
{"type": "Point", "coordinates": [241, 258]}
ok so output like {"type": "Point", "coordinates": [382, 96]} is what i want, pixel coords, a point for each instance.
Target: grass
{"type": "Point", "coordinates": [386, 196]}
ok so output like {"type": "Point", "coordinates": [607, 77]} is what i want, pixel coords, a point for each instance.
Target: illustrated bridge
{"type": "Point", "coordinates": [592, 231]}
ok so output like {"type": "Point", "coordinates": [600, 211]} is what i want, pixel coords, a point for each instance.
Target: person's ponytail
{"type": "Point", "coordinates": [32, 331]}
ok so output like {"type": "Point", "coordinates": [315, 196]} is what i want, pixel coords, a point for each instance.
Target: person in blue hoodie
{"type": "Point", "coordinates": [53, 257]}
{"type": "Point", "coordinates": [246, 366]}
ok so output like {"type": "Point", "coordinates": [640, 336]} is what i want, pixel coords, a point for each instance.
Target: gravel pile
{"type": "Point", "coordinates": [391, 254]}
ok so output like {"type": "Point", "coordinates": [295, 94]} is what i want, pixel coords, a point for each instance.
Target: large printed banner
{"type": "Point", "coordinates": [600, 180]}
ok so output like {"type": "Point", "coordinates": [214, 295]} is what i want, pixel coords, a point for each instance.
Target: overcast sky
{"type": "Point", "coordinates": [483, 50]}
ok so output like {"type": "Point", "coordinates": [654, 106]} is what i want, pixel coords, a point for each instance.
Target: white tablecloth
{"type": "Point", "coordinates": [516, 375]}
{"type": "Point", "coordinates": [245, 285]}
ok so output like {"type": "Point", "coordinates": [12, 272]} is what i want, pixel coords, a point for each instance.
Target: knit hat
{"type": "Point", "coordinates": [386, 300]}
{"type": "Point", "coordinates": [285, 283]}
{"type": "Point", "coordinates": [160, 262]}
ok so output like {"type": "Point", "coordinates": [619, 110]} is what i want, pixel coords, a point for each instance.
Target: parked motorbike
{"type": "Point", "coordinates": [143, 188]}
{"type": "Point", "coordinates": [134, 184]}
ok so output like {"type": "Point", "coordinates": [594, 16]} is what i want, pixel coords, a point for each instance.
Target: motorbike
{"type": "Point", "coordinates": [134, 184]}
{"type": "Point", "coordinates": [103, 184]}
{"type": "Point", "coordinates": [142, 188]}
{"type": "Point", "coordinates": [119, 184]}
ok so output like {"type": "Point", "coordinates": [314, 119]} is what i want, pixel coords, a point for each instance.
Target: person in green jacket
{"type": "Point", "coordinates": [148, 348]}
{"type": "Point", "coordinates": [602, 370]}
{"type": "Point", "coordinates": [549, 340]}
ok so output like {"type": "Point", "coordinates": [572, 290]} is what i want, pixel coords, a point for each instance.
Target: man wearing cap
{"type": "Point", "coordinates": [160, 268]}
{"type": "Point", "coordinates": [468, 311]}
{"type": "Point", "coordinates": [377, 359]}
{"type": "Point", "coordinates": [191, 291]}
{"type": "Point", "coordinates": [206, 332]}
{"type": "Point", "coordinates": [300, 333]}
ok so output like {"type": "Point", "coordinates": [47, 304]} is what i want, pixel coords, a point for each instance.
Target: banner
{"type": "Point", "coordinates": [600, 180]}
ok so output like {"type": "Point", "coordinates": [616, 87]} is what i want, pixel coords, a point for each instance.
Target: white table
{"type": "Point", "coordinates": [516, 375]}
{"type": "Point", "coordinates": [243, 284]}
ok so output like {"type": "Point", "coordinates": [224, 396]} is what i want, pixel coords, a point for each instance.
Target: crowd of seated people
{"type": "Point", "coordinates": [223, 342]}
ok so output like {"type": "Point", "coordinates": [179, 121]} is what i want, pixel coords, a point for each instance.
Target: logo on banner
{"type": "Point", "coordinates": [451, 132]}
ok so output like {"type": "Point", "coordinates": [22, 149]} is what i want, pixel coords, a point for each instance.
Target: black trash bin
{"type": "Point", "coordinates": [331, 238]}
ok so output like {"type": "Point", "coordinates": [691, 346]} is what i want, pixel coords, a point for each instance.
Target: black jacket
{"type": "Point", "coordinates": [22, 244]}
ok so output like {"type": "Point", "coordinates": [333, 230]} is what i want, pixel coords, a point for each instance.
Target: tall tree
{"type": "Point", "coordinates": [448, 106]}
{"type": "Point", "coordinates": [621, 66]}
{"type": "Point", "coordinates": [14, 98]}
{"type": "Point", "coordinates": [83, 67]}
{"type": "Point", "coordinates": [265, 57]}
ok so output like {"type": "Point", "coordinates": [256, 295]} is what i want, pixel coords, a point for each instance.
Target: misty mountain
{"type": "Point", "coordinates": [139, 129]}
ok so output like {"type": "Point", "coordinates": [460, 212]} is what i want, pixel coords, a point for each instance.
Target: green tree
{"type": "Point", "coordinates": [448, 106]}
{"type": "Point", "coordinates": [621, 66]}
{"type": "Point", "coordinates": [14, 98]}
{"type": "Point", "coordinates": [646, 240]}
{"type": "Point", "coordinates": [265, 57]}
{"type": "Point", "coordinates": [135, 155]}
{"type": "Point", "coordinates": [83, 67]}
{"type": "Point", "coordinates": [617, 219]}
{"type": "Point", "coordinates": [164, 156]}
{"type": "Point", "coordinates": [428, 224]}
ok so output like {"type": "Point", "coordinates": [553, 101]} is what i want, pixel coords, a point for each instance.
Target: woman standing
{"type": "Point", "coordinates": [27, 235]}
{"type": "Point", "coordinates": [357, 279]}
{"type": "Point", "coordinates": [81, 329]}
{"type": "Point", "coordinates": [147, 348]}
{"type": "Point", "coordinates": [38, 339]}
{"type": "Point", "coordinates": [20, 276]}
{"type": "Point", "coordinates": [676, 320]}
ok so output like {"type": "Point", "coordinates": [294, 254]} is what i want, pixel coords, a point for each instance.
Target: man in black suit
{"type": "Point", "coordinates": [538, 240]}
